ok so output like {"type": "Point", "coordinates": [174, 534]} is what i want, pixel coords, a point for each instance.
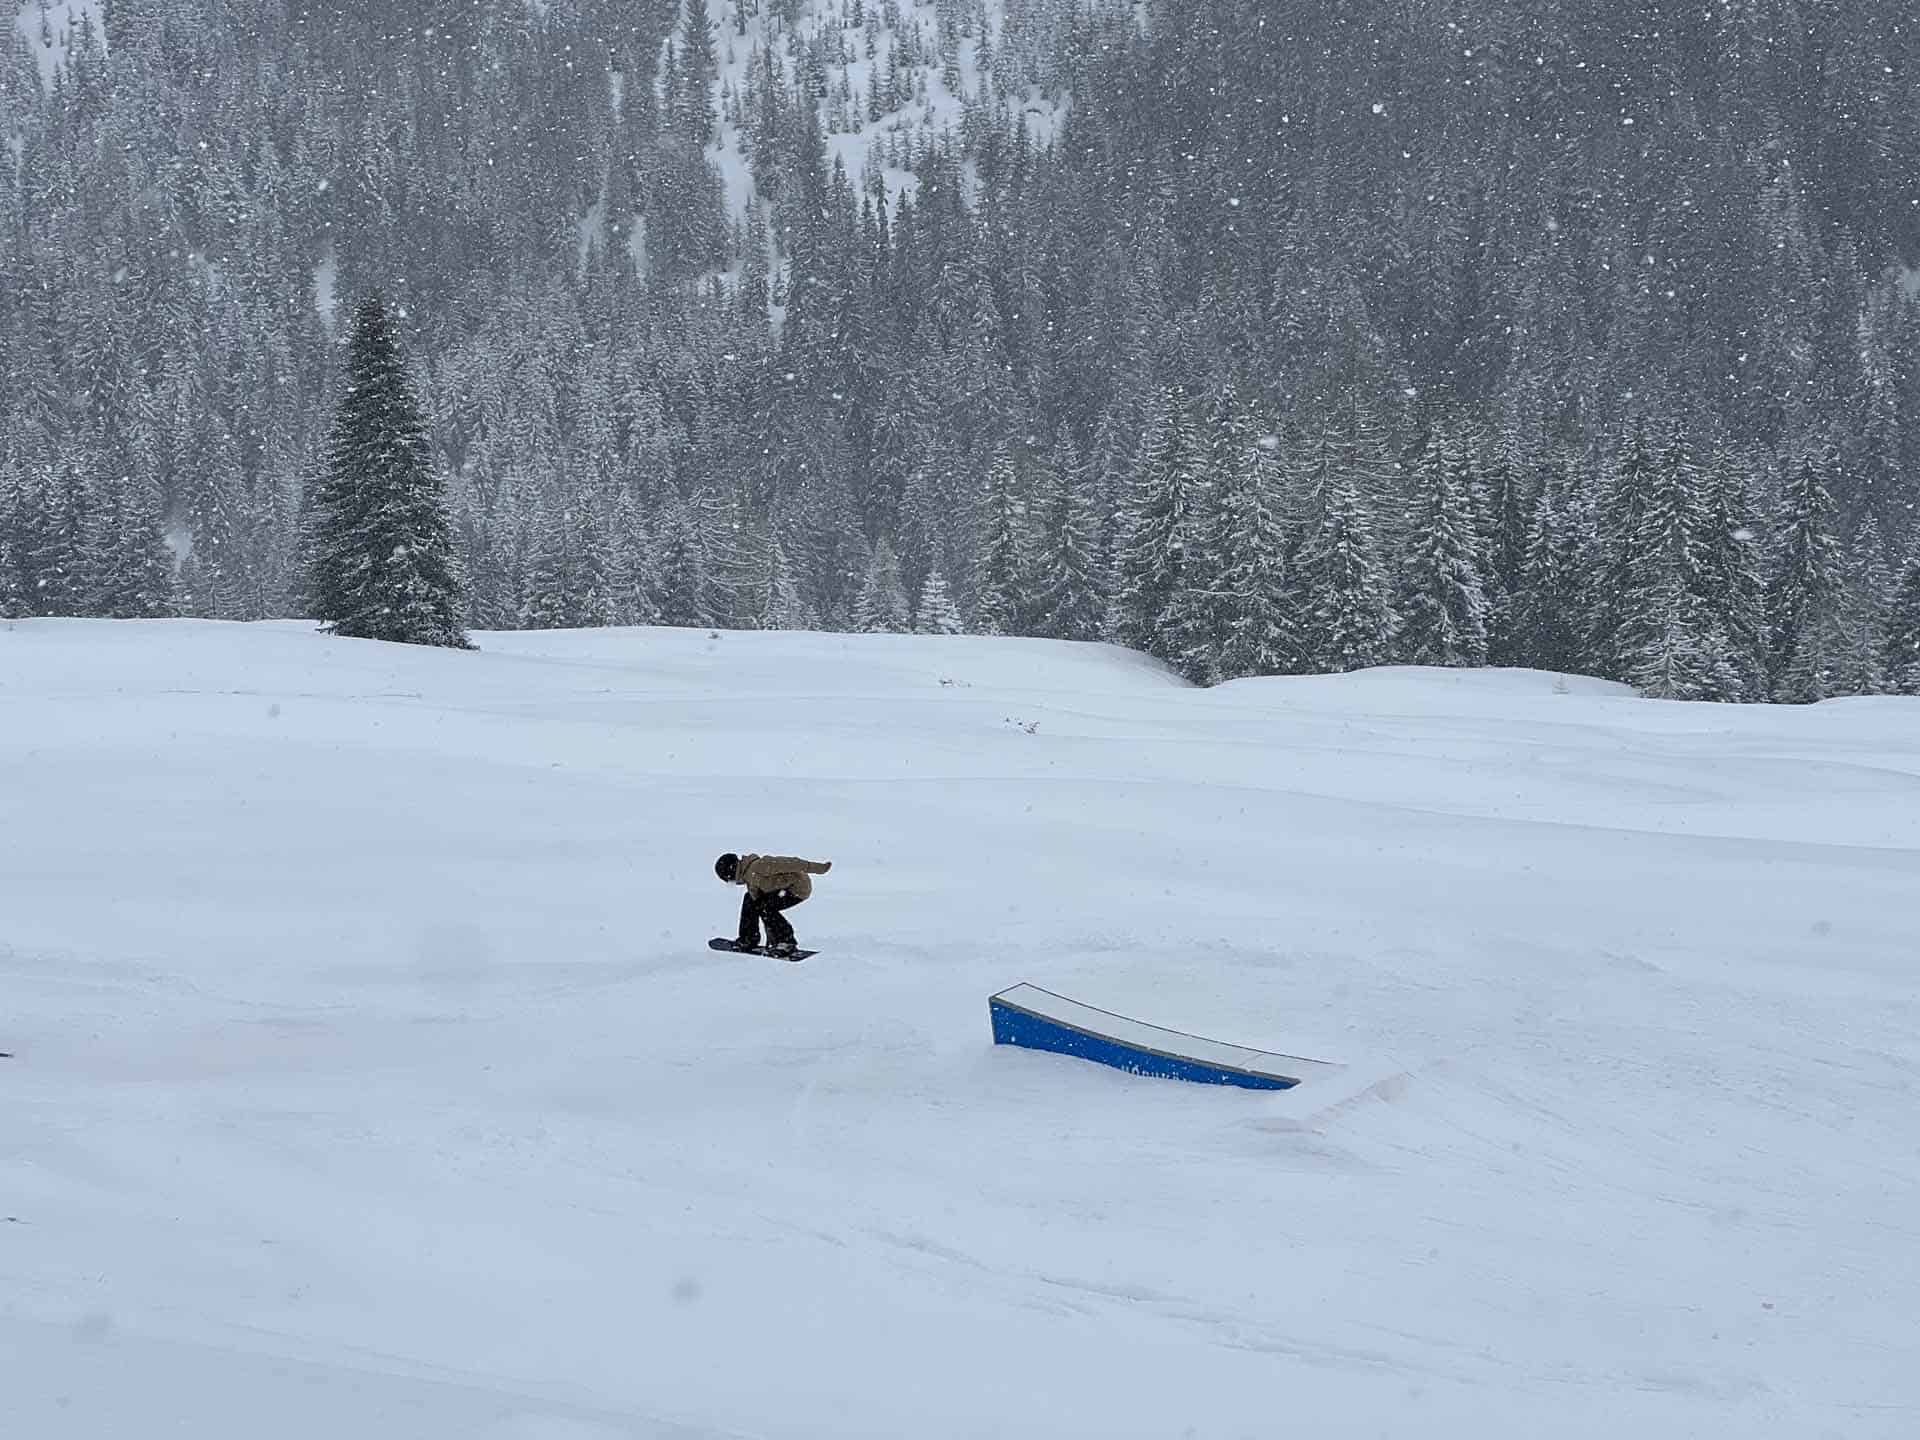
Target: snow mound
{"type": "Point", "coordinates": [1410, 684]}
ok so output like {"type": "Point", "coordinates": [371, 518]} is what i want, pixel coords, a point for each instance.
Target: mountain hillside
{"type": "Point", "coordinates": [1269, 338]}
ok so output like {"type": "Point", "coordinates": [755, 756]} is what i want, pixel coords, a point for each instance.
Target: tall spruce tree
{"type": "Point", "coordinates": [596, 596]}
{"type": "Point", "coordinates": [936, 614]}
{"type": "Point", "coordinates": [50, 543]}
{"type": "Point", "coordinates": [1510, 484]}
{"type": "Point", "coordinates": [1902, 663]}
{"type": "Point", "coordinates": [13, 519]}
{"type": "Point", "coordinates": [1803, 602]}
{"type": "Point", "coordinates": [881, 607]}
{"type": "Point", "coordinates": [1678, 650]}
{"type": "Point", "coordinates": [1549, 625]}
{"type": "Point", "coordinates": [784, 607]}
{"type": "Point", "coordinates": [1260, 619]}
{"type": "Point", "coordinates": [684, 578]}
{"type": "Point", "coordinates": [1866, 594]}
{"type": "Point", "coordinates": [383, 563]}
{"type": "Point", "coordinates": [632, 568]}
{"type": "Point", "coordinates": [128, 570]}
{"type": "Point", "coordinates": [1351, 622]}
{"type": "Point", "coordinates": [551, 582]}
{"type": "Point", "coordinates": [1444, 606]}
{"type": "Point", "coordinates": [1003, 576]}
{"type": "Point", "coordinates": [1070, 602]}
{"type": "Point", "coordinates": [1732, 577]}
{"type": "Point", "coordinates": [1627, 578]}
{"type": "Point", "coordinates": [1202, 610]}
{"type": "Point", "coordinates": [1156, 534]}
{"type": "Point", "coordinates": [1671, 644]}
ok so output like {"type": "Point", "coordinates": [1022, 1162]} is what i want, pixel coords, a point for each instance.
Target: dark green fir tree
{"type": "Point", "coordinates": [383, 563]}
{"type": "Point", "coordinates": [1803, 602]}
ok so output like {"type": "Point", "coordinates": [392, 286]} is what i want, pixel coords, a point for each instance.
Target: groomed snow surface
{"type": "Point", "coordinates": [372, 1076]}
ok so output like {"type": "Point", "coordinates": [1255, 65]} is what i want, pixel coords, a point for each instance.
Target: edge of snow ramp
{"type": "Point", "coordinates": [1036, 1019]}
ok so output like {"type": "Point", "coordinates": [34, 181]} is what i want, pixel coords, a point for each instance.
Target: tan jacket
{"type": "Point", "coordinates": [764, 874]}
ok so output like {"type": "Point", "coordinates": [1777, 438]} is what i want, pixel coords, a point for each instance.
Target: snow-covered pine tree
{"type": "Point", "coordinates": [1111, 462]}
{"type": "Point", "coordinates": [594, 573]}
{"type": "Point", "coordinates": [1902, 665]}
{"type": "Point", "coordinates": [1508, 483]}
{"type": "Point", "coordinates": [1866, 594]}
{"type": "Point", "coordinates": [383, 563]}
{"type": "Point", "coordinates": [1155, 532]}
{"type": "Point", "coordinates": [1003, 571]}
{"type": "Point", "coordinates": [1549, 625]}
{"type": "Point", "coordinates": [1626, 583]}
{"type": "Point", "coordinates": [751, 567]}
{"type": "Point", "coordinates": [48, 544]}
{"type": "Point", "coordinates": [1680, 651]}
{"type": "Point", "coordinates": [1803, 600]}
{"type": "Point", "coordinates": [936, 614]}
{"type": "Point", "coordinates": [784, 607]}
{"type": "Point", "coordinates": [127, 568]}
{"type": "Point", "coordinates": [1261, 623]}
{"type": "Point", "coordinates": [825, 541]}
{"type": "Point", "coordinates": [241, 586]}
{"type": "Point", "coordinates": [690, 106]}
{"type": "Point", "coordinates": [483, 562]}
{"type": "Point", "coordinates": [547, 602]}
{"type": "Point", "coordinates": [1676, 514]}
{"type": "Point", "coordinates": [220, 517]}
{"type": "Point", "coordinates": [683, 582]}
{"type": "Point", "coordinates": [882, 606]}
{"type": "Point", "coordinates": [1070, 602]}
{"type": "Point", "coordinates": [1350, 618]}
{"type": "Point", "coordinates": [13, 521]}
{"type": "Point", "coordinates": [1200, 613]}
{"type": "Point", "coordinates": [1732, 580]}
{"type": "Point", "coordinates": [1444, 604]}
{"type": "Point", "coordinates": [1670, 643]}
{"type": "Point", "coordinates": [634, 565]}
{"type": "Point", "coordinates": [925, 519]}
{"type": "Point", "coordinates": [736, 560]}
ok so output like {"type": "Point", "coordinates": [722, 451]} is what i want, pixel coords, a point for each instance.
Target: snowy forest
{"type": "Point", "coordinates": [1267, 336]}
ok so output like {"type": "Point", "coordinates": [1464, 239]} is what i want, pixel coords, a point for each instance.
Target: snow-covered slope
{"type": "Point", "coordinates": [932, 96]}
{"type": "Point", "coordinates": [372, 1078]}
{"type": "Point", "coordinates": [49, 27]}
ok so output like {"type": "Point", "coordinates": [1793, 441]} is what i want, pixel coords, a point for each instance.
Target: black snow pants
{"type": "Point", "coordinates": [756, 910]}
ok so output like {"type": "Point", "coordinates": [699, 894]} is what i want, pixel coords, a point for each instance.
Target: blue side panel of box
{"type": "Point", "coordinates": [1014, 1025]}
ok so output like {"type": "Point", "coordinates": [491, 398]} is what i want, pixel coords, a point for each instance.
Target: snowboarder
{"type": "Point", "coordinates": [774, 883]}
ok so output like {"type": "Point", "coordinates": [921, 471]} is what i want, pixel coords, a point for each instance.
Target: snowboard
{"type": "Point", "coordinates": [717, 943]}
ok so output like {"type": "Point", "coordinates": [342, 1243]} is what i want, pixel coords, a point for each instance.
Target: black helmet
{"type": "Point", "coordinates": [727, 866]}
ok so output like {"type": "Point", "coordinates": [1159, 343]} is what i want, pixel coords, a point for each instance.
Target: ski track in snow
{"type": "Point", "coordinates": [372, 1075]}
